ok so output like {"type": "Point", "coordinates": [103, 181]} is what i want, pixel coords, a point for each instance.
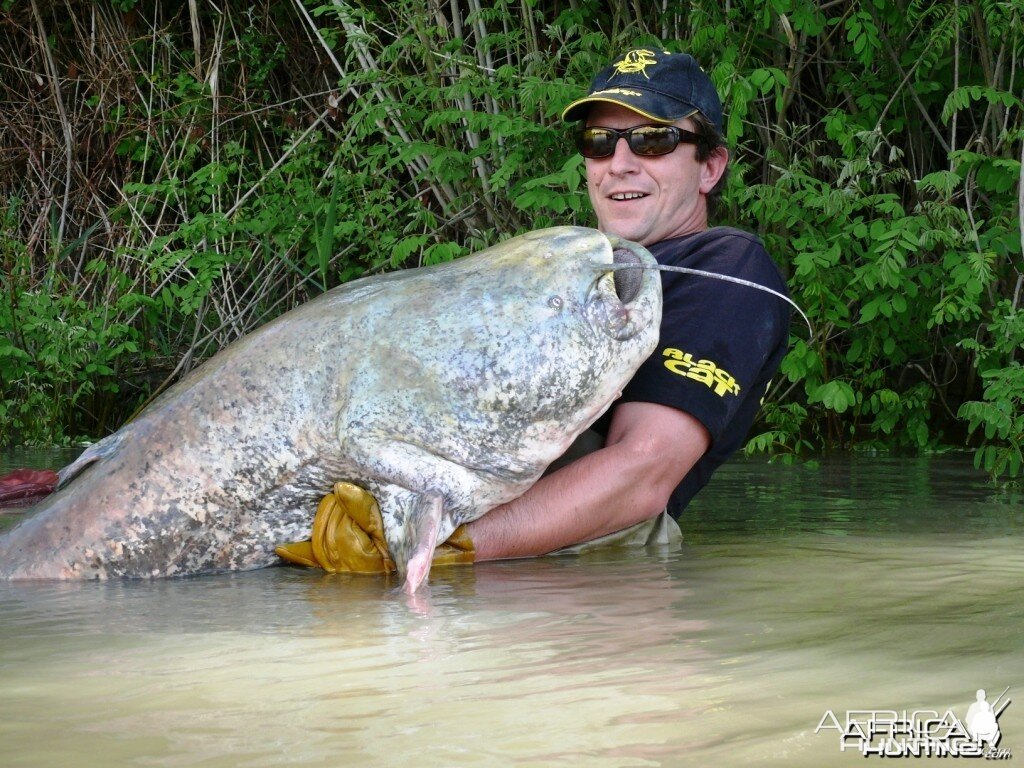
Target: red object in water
{"type": "Point", "coordinates": [26, 486]}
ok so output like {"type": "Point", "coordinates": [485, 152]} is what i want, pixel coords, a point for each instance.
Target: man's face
{"type": "Point", "coordinates": [649, 199]}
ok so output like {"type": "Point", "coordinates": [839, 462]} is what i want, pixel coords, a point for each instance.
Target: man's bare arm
{"type": "Point", "coordinates": [649, 450]}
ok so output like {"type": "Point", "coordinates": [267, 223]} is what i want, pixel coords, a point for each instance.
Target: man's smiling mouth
{"type": "Point", "coordinates": [628, 195]}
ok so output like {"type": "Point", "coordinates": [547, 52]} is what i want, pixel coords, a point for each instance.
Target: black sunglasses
{"type": "Point", "coordinates": [645, 140]}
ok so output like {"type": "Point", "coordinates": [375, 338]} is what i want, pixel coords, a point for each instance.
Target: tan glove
{"type": "Point", "coordinates": [457, 550]}
{"type": "Point", "coordinates": [348, 537]}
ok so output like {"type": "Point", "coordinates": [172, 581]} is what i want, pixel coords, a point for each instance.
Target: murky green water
{"type": "Point", "coordinates": [862, 584]}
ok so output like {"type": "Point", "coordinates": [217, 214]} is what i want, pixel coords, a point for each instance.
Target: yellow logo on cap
{"type": "Point", "coordinates": [617, 92]}
{"type": "Point", "coordinates": [635, 61]}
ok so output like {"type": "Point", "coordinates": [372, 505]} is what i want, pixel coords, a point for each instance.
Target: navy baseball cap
{"type": "Point", "coordinates": [661, 86]}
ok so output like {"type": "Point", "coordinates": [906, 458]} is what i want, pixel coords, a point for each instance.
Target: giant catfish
{"type": "Point", "coordinates": [444, 390]}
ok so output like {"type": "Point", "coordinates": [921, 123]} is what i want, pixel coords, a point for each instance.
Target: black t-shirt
{"type": "Point", "coordinates": [720, 343]}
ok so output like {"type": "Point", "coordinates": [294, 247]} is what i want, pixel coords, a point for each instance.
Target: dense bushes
{"type": "Point", "coordinates": [174, 175]}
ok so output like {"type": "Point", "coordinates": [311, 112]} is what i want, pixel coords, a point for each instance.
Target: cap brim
{"type": "Point", "coordinates": [579, 108]}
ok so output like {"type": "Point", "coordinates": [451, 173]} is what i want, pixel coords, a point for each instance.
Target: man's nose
{"type": "Point", "coordinates": [623, 160]}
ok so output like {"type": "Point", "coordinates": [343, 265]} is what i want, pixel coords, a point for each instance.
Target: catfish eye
{"type": "Point", "coordinates": [555, 302]}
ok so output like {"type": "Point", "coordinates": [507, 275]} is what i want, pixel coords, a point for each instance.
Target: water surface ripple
{"type": "Point", "coordinates": [863, 583]}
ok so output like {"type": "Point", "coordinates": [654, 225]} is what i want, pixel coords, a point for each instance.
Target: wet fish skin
{"type": "Point", "coordinates": [445, 391]}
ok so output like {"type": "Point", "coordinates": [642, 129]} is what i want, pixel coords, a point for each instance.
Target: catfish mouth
{"type": "Point", "coordinates": [627, 281]}
{"type": "Point", "coordinates": [619, 304]}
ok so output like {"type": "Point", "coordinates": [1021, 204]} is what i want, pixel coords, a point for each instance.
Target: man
{"type": "Point", "coordinates": [652, 137]}
{"type": "Point", "coordinates": [655, 157]}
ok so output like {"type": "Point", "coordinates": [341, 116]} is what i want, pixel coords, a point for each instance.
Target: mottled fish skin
{"type": "Point", "coordinates": [459, 382]}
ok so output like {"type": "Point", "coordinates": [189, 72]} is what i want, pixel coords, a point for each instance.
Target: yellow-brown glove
{"type": "Point", "coordinates": [457, 550]}
{"type": "Point", "coordinates": [348, 537]}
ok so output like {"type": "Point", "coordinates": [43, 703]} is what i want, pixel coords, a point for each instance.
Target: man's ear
{"type": "Point", "coordinates": [712, 169]}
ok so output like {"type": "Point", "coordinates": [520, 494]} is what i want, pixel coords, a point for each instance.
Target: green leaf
{"type": "Point", "coordinates": [835, 395]}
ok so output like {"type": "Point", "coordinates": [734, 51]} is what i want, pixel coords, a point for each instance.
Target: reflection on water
{"type": "Point", "coordinates": [865, 583]}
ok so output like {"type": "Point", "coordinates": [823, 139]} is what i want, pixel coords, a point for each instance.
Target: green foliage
{"type": "Point", "coordinates": [60, 356]}
{"type": "Point", "coordinates": [216, 180]}
{"type": "Point", "coordinates": [902, 239]}
{"type": "Point", "coordinates": [1000, 414]}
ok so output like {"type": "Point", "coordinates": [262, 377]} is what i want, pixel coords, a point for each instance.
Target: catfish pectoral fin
{"type": "Point", "coordinates": [93, 453]}
{"type": "Point", "coordinates": [411, 523]}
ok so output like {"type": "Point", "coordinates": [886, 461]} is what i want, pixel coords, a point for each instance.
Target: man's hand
{"type": "Point", "coordinates": [348, 537]}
